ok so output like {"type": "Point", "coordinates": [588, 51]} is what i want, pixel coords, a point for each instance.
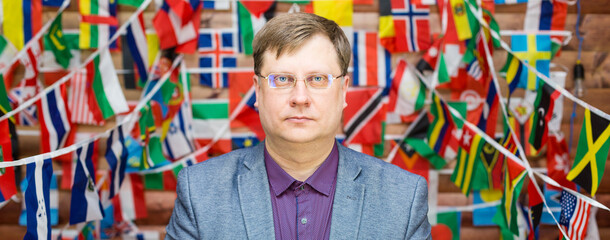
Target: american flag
{"type": "Point", "coordinates": [77, 101]}
{"type": "Point", "coordinates": [574, 215]}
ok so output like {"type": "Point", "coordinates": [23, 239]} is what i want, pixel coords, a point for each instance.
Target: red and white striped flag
{"type": "Point", "coordinates": [574, 215]}
{"type": "Point", "coordinates": [78, 101]}
{"type": "Point", "coordinates": [130, 204]}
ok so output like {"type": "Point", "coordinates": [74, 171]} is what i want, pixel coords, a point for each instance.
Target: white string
{"type": "Point", "coordinates": [68, 76]}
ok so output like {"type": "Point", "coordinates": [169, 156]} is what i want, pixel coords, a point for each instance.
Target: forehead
{"type": "Point", "coordinates": [317, 54]}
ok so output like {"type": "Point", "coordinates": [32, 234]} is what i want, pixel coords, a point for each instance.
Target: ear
{"type": "Point", "coordinates": [345, 88]}
{"type": "Point", "coordinates": [256, 89]}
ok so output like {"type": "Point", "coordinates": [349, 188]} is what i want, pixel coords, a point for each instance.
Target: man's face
{"type": "Point", "coordinates": [301, 114]}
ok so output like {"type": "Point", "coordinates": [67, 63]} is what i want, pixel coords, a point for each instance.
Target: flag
{"type": "Point", "coordinates": [483, 216]}
{"type": "Point", "coordinates": [211, 118]}
{"type": "Point", "coordinates": [152, 152]}
{"type": "Point", "coordinates": [574, 215]}
{"type": "Point", "coordinates": [547, 15]}
{"type": "Point", "coordinates": [447, 226]}
{"type": "Point", "coordinates": [116, 155]}
{"type": "Point", "coordinates": [22, 20]}
{"type": "Point", "coordinates": [68, 160]}
{"type": "Point", "coordinates": [53, 202]}
{"type": "Point", "coordinates": [507, 214]}
{"type": "Point", "coordinates": [241, 103]}
{"type": "Point", "coordinates": [52, 3]}
{"type": "Point", "coordinates": [7, 53]}
{"type": "Point", "coordinates": [55, 123]}
{"type": "Point", "coordinates": [26, 89]}
{"type": "Point", "coordinates": [363, 116]}
{"type": "Point", "coordinates": [558, 161]}
{"type": "Point", "coordinates": [552, 197]}
{"type": "Point", "coordinates": [469, 163]}
{"type": "Point", "coordinates": [509, 1]}
{"type": "Point", "coordinates": [216, 4]}
{"type": "Point", "coordinates": [30, 61]}
{"type": "Point", "coordinates": [491, 176]}
{"type": "Point", "coordinates": [53, 69]}
{"type": "Point", "coordinates": [78, 97]}
{"type": "Point", "coordinates": [387, 33]}
{"type": "Point", "coordinates": [7, 175]}
{"type": "Point", "coordinates": [165, 180]}
{"type": "Point", "coordinates": [545, 101]}
{"type": "Point", "coordinates": [411, 26]}
{"type": "Point", "coordinates": [243, 140]}
{"type": "Point", "coordinates": [178, 141]}
{"type": "Point", "coordinates": [441, 128]}
{"type": "Point", "coordinates": [449, 63]}
{"type": "Point", "coordinates": [130, 204]}
{"type": "Point", "coordinates": [98, 23]}
{"type": "Point", "coordinates": [138, 46]}
{"type": "Point", "coordinates": [372, 63]}
{"type": "Point", "coordinates": [536, 51]}
{"type": "Point", "coordinates": [105, 94]}
{"type": "Point", "coordinates": [489, 116]}
{"type": "Point", "coordinates": [590, 160]}
{"type": "Point", "coordinates": [85, 205]}
{"type": "Point", "coordinates": [251, 20]}
{"type": "Point", "coordinates": [339, 11]}
{"type": "Point", "coordinates": [511, 71]}
{"type": "Point", "coordinates": [217, 53]}
{"type": "Point", "coordinates": [408, 159]}
{"type": "Point", "coordinates": [521, 119]}
{"type": "Point", "coordinates": [407, 94]}
{"type": "Point", "coordinates": [535, 209]}
{"type": "Point", "coordinates": [58, 43]}
{"type": "Point", "coordinates": [460, 12]}
{"type": "Point", "coordinates": [427, 63]}
{"type": "Point", "coordinates": [133, 3]}
{"type": "Point", "coordinates": [37, 199]}
{"type": "Point", "coordinates": [176, 23]}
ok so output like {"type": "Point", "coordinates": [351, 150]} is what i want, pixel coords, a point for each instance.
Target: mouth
{"type": "Point", "coordinates": [298, 119]}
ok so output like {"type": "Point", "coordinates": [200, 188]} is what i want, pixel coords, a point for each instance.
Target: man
{"type": "Point", "coordinates": [299, 183]}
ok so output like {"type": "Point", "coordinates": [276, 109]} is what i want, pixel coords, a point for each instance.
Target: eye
{"type": "Point", "coordinates": [281, 79]}
{"type": "Point", "coordinates": [318, 78]}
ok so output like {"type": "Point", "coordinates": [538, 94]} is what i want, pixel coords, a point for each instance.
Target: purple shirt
{"type": "Point", "coordinates": [302, 210]}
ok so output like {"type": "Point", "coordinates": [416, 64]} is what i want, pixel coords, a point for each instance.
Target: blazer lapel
{"type": "Point", "coordinates": [349, 196]}
{"type": "Point", "coordinates": [254, 198]}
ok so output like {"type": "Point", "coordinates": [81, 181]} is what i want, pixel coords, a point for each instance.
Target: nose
{"type": "Point", "coordinates": [300, 95]}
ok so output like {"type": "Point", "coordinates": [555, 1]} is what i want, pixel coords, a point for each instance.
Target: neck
{"type": "Point", "coordinates": [299, 160]}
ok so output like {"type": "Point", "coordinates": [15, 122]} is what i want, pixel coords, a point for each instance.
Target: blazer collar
{"type": "Point", "coordinates": [349, 197]}
{"type": "Point", "coordinates": [255, 199]}
{"type": "Point", "coordinates": [254, 195]}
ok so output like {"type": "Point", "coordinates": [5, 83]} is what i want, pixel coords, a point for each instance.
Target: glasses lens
{"type": "Point", "coordinates": [281, 80]}
{"type": "Point", "coordinates": [318, 80]}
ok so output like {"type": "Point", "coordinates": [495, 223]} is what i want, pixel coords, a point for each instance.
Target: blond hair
{"type": "Point", "coordinates": [288, 32]}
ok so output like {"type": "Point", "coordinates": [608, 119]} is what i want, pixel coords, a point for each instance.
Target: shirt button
{"type": "Point", "coordinates": [302, 187]}
{"type": "Point", "coordinates": [303, 220]}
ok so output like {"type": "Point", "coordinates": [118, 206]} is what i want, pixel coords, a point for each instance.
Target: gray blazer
{"type": "Point", "coordinates": [227, 197]}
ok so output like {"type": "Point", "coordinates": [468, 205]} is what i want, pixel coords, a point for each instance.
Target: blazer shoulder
{"type": "Point", "coordinates": [384, 171]}
{"type": "Point", "coordinates": [220, 165]}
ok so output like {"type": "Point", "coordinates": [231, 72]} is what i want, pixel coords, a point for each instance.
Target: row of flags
{"type": "Point", "coordinates": [456, 55]}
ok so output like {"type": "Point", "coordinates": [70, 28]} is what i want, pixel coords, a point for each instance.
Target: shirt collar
{"type": "Point", "coordinates": [321, 180]}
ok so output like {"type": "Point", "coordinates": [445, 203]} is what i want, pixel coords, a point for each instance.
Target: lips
{"type": "Point", "coordinates": [298, 119]}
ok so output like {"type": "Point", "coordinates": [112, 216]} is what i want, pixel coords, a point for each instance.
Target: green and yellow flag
{"type": "Point", "coordinates": [507, 213]}
{"type": "Point", "coordinates": [58, 43]}
{"type": "Point", "coordinates": [592, 152]}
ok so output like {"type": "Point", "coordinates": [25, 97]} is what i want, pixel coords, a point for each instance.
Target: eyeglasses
{"type": "Point", "coordinates": [287, 80]}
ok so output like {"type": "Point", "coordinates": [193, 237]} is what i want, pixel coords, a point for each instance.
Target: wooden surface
{"type": "Point", "coordinates": [595, 29]}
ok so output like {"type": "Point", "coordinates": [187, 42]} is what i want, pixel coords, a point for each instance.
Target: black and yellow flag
{"type": "Point", "coordinates": [592, 152]}
{"type": "Point", "coordinates": [58, 44]}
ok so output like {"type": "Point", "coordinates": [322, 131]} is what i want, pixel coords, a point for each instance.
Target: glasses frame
{"type": "Point", "coordinates": [331, 79]}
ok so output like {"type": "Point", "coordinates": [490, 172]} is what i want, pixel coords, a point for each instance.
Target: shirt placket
{"type": "Point", "coordinates": [304, 212]}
